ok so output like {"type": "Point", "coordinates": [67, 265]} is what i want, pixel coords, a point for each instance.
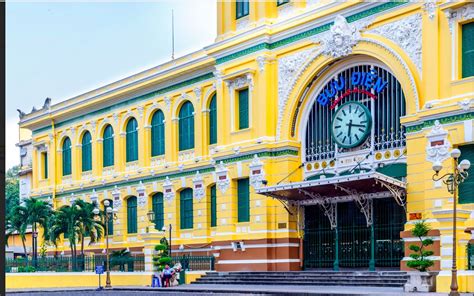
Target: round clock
{"type": "Point", "coordinates": [351, 124]}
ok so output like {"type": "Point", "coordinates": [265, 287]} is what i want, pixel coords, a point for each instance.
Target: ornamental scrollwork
{"type": "Point", "coordinates": [198, 184]}
{"type": "Point", "coordinates": [437, 148]}
{"type": "Point", "coordinates": [257, 175]}
{"type": "Point", "coordinates": [168, 192]}
{"type": "Point", "coordinates": [222, 178]}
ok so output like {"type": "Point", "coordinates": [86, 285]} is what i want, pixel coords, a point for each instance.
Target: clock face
{"type": "Point", "coordinates": [351, 124]}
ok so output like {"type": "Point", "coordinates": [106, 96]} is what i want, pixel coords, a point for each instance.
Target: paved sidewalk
{"type": "Point", "coordinates": [228, 290]}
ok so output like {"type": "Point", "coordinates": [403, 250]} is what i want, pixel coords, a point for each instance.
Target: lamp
{"type": "Point", "coordinates": [452, 181]}
{"type": "Point", "coordinates": [151, 216]}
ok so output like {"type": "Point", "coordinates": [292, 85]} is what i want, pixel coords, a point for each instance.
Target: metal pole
{"type": "Point", "coordinates": [336, 250]}
{"type": "Point", "coordinates": [372, 239]}
{"type": "Point", "coordinates": [170, 242]}
{"type": "Point", "coordinates": [454, 273]}
{"type": "Point", "coordinates": [107, 281]}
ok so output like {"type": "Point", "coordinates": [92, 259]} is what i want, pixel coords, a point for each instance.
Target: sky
{"type": "Point", "coordinates": [62, 49]}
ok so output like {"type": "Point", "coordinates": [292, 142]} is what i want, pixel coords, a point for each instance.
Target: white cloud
{"type": "Point", "coordinates": [12, 152]}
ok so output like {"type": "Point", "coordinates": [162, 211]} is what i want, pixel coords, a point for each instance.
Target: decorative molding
{"type": "Point", "coordinates": [198, 184]}
{"type": "Point", "coordinates": [257, 174]}
{"type": "Point", "coordinates": [197, 92]}
{"type": "Point", "coordinates": [262, 60]}
{"type": "Point", "coordinates": [94, 197]}
{"type": "Point", "coordinates": [240, 82]}
{"type": "Point", "coordinates": [168, 192]}
{"type": "Point", "coordinates": [242, 23]}
{"type": "Point", "coordinates": [460, 14]}
{"type": "Point", "coordinates": [167, 103]}
{"type": "Point", "coordinates": [186, 155]}
{"type": "Point", "coordinates": [140, 110]}
{"type": "Point", "coordinates": [222, 178]}
{"type": "Point", "coordinates": [429, 7]}
{"type": "Point", "coordinates": [465, 104]}
{"type": "Point", "coordinates": [116, 195]}
{"type": "Point", "coordinates": [406, 33]}
{"type": "Point", "coordinates": [141, 191]}
{"type": "Point", "coordinates": [341, 38]}
{"type": "Point", "coordinates": [437, 148]}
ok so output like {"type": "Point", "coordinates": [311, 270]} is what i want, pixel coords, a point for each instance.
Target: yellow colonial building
{"type": "Point", "coordinates": [304, 137]}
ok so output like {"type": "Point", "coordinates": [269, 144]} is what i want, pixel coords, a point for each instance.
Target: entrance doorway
{"type": "Point", "coordinates": [351, 240]}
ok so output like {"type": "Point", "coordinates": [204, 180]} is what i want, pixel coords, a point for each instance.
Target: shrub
{"type": "Point", "coordinates": [420, 262]}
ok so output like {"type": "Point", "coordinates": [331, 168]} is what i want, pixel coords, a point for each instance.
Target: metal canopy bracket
{"type": "Point", "coordinates": [397, 192]}
{"type": "Point", "coordinates": [286, 204]}
{"type": "Point", "coordinates": [363, 201]}
{"type": "Point", "coordinates": [328, 207]}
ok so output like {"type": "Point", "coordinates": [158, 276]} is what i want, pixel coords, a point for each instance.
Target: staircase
{"type": "Point", "coordinates": [315, 278]}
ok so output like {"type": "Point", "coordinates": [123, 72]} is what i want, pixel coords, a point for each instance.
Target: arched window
{"type": "Point", "coordinates": [108, 146]}
{"type": "Point", "coordinates": [132, 215]}
{"type": "Point", "coordinates": [186, 126]}
{"type": "Point", "coordinates": [186, 208]}
{"type": "Point", "coordinates": [132, 140]}
{"type": "Point", "coordinates": [66, 157]}
{"type": "Point", "coordinates": [158, 134]}
{"type": "Point", "coordinates": [157, 203]}
{"type": "Point", "coordinates": [213, 206]}
{"type": "Point", "coordinates": [86, 152]}
{"type": "Point", "coordinates": [213, 120]}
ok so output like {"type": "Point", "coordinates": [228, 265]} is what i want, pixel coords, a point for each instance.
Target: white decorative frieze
{"type": "Point", "coordinates": [262, 60]}
{"type": "Point", "coordinates": [257, 175]}
{"type": "Point", "coordinates": [222, 178]}
{"type": "Point", "coordinates": [198, 184]}
{"type": "Point", "coordinates": [465, 104]}
{"type": "Point", "coordinates": [116, 195]}
{"type": "Point", "coordinates": [429, 7]}
{"type": "Point", "coordinates": [460, 14]}
{"type": "Point", "coordinates": [406, 33]}
{"type": "Point", "coordinates": [168, 192]}
{"type": "Point", "coordinates": [437, 148]}
{"type": "Point", "coordinates": [240, 82]}
{"type": "Point", "coordinates": [197, 92]}
{"type": "Point", "coordinates": [141, 191]}
{"type": "Point", "coordinates": [167, 102]}
{"type": "Point", "coordinates": [341, 38]}
{"type": "Point", "coordinates": [186, 155]}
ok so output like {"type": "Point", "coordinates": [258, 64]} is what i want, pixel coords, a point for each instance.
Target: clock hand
{"type": "Point", "coordinates": [359, 125]}
{"type": "Point", "coordinates": [350, 126]}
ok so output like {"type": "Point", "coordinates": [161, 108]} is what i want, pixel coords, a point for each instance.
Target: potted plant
{"type": "Point", "coordinates": [421, 280]}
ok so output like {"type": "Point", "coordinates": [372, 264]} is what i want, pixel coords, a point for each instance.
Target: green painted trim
{"type": "Point", "coordinates": [150, 179]}
{"type": "Point", "coordinates": [129, 102]}
{"type": "Point", "coordinates": [442, 120]}
{"type": "Point", "coordinates": [310, 32]}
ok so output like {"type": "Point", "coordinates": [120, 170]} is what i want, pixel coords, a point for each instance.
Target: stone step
{"type": "Point", "coordinates": [306, 276]}
{"type": "Point", "coordinates": [298, 279]}
{"type": "Point", "coordinates": [322, 283]}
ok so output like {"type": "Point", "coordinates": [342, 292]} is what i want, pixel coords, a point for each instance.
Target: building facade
{"type": "Point", "coordinates": [302, 138]}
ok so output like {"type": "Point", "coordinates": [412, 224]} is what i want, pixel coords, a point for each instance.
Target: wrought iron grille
{"type": "Point", "coordinates": [386, 108]}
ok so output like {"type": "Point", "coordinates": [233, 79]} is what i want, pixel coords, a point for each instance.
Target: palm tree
{"type": "Point", "coordinates": [66, 222]}
{"type": "Point", "coordinates": [17, 224]}
{"type": "Point", "coordinates": [38, 212]}
{"type": "Point", "coordinates": [88, 225]}
{"type": "Point", "coordinates": [120, 258]}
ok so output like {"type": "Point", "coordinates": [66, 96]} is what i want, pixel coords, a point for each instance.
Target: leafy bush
{"type": "Point", "coordinates": [26, 269]}
{"type": "Point", "coordinates": [420, 262]}
{"type": "Point", "coordinates": [161, 258]}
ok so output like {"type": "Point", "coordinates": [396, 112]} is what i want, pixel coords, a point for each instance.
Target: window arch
{"type": "Point", "coordinates": [66, 157]}
{"type": "Point", "coordinates": [158, 134]}
{"type": "Point", "coordinates": [186, 208]}
{"type": "Point", "coordinates": [86, 152]}
{"type": "Point", "coordinates": [132, 220]}
{"type": "Point", "coordinates": [132, 140]}
{"type": "Point", "coordinates": [158, 209]}
{"type": "Point", "coordinates": [213, 120]}
{"type": "Point", "coordinates": [186, 126]}
{"type": "Point", "coordinates": [108, 146]}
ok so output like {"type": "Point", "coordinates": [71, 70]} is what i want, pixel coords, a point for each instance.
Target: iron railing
{"type": "Point", "coordinates": [195, 262]}
{"type": "Point", "coordinates": [80, 264]}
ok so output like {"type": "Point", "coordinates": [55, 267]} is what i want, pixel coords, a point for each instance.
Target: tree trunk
{"type": "Point", "coordinates": [23, 241]}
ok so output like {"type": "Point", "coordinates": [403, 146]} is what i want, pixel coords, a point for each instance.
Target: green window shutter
{"type": "Point", "coordinates": [86, 152]}
{"type": "Point", "coordinates": [243, 108]}
{"type": "Point", "coordinates": [467, 58]}
{"type": "Point", "coordinates": [186, 208]}
{"type": "Point", "coordinates": [45, 165]}
{"type": "Point", "coordinates": [132, 215]}
{"type": "Point", "coordinates": [243, 200]}
{"type": "Point", "coordinates": [158, 209]}
{"type": "Point", "coordinates": [158, 134]}
{"type": "Point", "coordinates": [186, 127]}
{"type": "Point", "coordinates": [132, 140]}
{"type": "Point", "coordinates": [213, 206]}
{"type": "Point", "coordinates": [67, 157]}
{"type": "Point", "coordinates": [108, 146]}
{"type": "Point", "coordinates": [466, 189]}
{"type": "Point", "coordinates": [110, 225]}
{"type": "Point", "coordinates": [213, 121]}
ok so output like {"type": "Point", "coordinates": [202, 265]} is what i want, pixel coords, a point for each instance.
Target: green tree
{"type": "Point", "coordinates": [38, 212]}
{"type": "Point", "coordinates": [12, 188]}
{"type": "Point", "coordinates": [420, 262]}
{"type": "Point", "coordinates": [16, 224]}
{"type": "Point", "coordinates": [120, 258]}
{"type": "Point", "coordinates": [161, 258]}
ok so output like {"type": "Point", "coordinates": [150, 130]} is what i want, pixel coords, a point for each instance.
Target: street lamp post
{"type": "Point", "coordinates": [110, 214]}
{"type": "Point", "coordinates": [452, 181]}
